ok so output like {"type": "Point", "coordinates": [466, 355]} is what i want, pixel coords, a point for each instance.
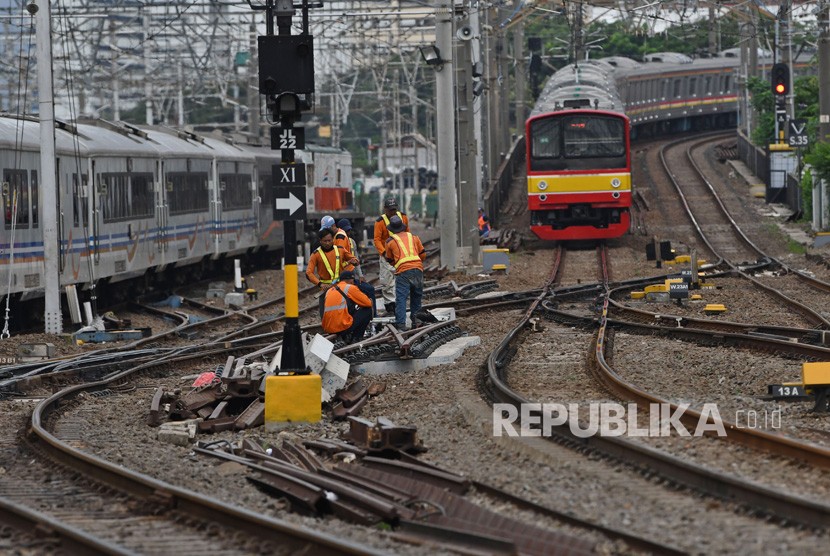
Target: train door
{"type": "Point", "coordinates": [163, 187]}
{"type": "Point", "coordinates": [216, 213]}
{"type": "Point", "coordinates": [98, 190]}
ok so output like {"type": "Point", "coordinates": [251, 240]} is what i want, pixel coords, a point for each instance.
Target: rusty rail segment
{"type": "Point", "coordinates": [169, 499]}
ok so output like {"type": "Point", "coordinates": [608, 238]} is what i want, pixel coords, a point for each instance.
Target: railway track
{"type": "Point", "coordinates": [674, 469]}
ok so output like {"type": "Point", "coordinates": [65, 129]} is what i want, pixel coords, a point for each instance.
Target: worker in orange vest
{"type": "Point", "coordinates": [483, 224]}
{"type": "Point", "coordinates": [406, 254]}
{"type": "Point", "coordinates": [341, 238]}
{"type": "Point", "coordinates": [386, 274]}
{"type": "Point", "coordinates": [347, 309]}
{"type": "Point", "coordinates": [326, 263]}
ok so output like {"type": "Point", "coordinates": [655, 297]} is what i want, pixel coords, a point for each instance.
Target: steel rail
{"type": "Point", "coordinates": [167, 497]}
{"type": "Point", "coordinates": [674, 469]}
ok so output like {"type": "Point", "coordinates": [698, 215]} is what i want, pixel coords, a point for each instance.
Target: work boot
{"type": "Point", "coordinates": [390, 308]}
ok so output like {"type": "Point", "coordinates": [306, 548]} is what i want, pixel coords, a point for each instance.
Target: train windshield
{"type": "Point", "coordinates": [577, 142]}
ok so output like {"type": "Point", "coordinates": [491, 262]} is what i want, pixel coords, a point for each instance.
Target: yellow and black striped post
{"type": "Point", "coordinates": [293, 357]}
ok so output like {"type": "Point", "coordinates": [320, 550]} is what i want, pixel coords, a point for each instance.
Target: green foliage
{"type": "Point", "coordinates": [763, 103]}
{"type": "Point", "coordinates": [819, 159]}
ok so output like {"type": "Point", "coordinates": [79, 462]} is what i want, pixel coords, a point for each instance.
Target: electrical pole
{"type": "Point", "coordinates": [148, 72]}
{"type": "Point", "coordinates": [824, 71]}
{"type": "Point", "coordinates": [447, 213]}
{"type": "Point", "coordinates": [521, 74]}
{"type": "Point", "coordinates": [467, 198]}
{"type": "Point", "coordinates": [48, 185]}
{"type": "Point", "coordinates": [116, 104]}
{"type": "Point", "coordinates": [819, 191]}
{"type": "Point", "coordinates": [253, 94]}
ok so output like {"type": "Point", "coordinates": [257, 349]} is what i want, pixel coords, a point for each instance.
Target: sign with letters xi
{"type": "Point", "coordinates": [289, 192]}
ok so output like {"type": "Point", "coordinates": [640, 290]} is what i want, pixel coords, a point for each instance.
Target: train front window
{"type": "Point", "coordinates": [546, 138]}
{"type": "Point", "coordinates": [589, 137]}
{"type": "Point", "coordinates": [577, 142]}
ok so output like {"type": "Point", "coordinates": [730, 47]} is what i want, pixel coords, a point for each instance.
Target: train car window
{"type": "Point", "coordinates": [546, 141]}
{"type": "Point", "coordinates": [707, 85]}
{"type": "Point", "coordinates": [677, 84]}
{"type": "Point", "coordinates": [114, 196]}
{"type": "Point", "coordinates": [594, 136]}
{"type": "Point", "coordinates": [726, 84]}
{"type": "Point", "coordinates": [80, 203]}
{"type": "Point", "coordinates": [187, 192]}
{"type": "Point", "coordinates": [665, 89]}
{"type": "Point", "coordinates": [692, 86]}
{"type": "Point", "coordinates": [236, 193]}
{"type": "Point", "coordinates": [16, 200]}
{"type": "Point", "coordinates": [141, 195]}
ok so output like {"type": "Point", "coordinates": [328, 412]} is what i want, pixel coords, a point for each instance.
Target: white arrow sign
{"type": "Point", "coordinates": [291, 204]}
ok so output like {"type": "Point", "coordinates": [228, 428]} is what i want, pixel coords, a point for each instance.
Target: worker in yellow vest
{"type": "Point", "coordinates": [386, 274]}
{"type": "Point", "coordinates": [406, 254]}
{"type": "Point", "coordinates": [326, 263]}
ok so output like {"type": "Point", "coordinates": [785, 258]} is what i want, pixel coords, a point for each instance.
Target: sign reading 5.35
{"type": "Point", "coordinates": [797, 133]}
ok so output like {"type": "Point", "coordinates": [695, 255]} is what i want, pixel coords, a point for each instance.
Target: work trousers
{"type": "Point", "coordinates": [408, 284]}
{"type": "Point", "coordinates": [362, 316]}
{"type": "Point", "coordinates": [386, 280]}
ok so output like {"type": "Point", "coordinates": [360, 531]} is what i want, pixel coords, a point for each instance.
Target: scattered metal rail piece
{"type": "Point", "coordinates": [384, 435]}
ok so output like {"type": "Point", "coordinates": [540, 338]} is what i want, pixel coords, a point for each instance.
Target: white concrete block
{"type": "Point", "coordinates": [318, 353]}
{"type": "Point", "coordinates": [443, 314]}
{"type": "Point", "coordinates": [234, 298]}
{"type": "Point", "coordinates": [334, 375]}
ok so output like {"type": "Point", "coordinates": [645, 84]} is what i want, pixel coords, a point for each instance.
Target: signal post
{"type": "Point", "coordinates": [286, 78]}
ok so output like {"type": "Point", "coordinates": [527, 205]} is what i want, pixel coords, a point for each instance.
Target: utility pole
{"type": "Point", "coordinates": [253, 94]}
{"type": "Point", "coordinates": [521, 74]}
{"type": "Point", "coordinates": [148, 86]}
{"type": "Point", "coordinates": [447, 213]}
{"type": "Point", "coordinates": [824, 71]}
{"type": "Point", "coordinates": [713, 31]}
{"type": "Point", "coordinates": [819, 191]}
{"type": "Point", "coordinates": [116, 101]}
{"type": "Point", "coordinates": [48, 185]}
{"type": "Point", "coordinates": [467, 198]}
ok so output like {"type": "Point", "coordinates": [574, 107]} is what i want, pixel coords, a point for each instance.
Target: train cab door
{"type": "Point", "coordinates": [256, 201]}
{"type": "Point", "coordinates": [98, 190]}
{"type": "Point", "coordinates": [163, 188]}
{"type": "Point", "coordinates": [216, 212]}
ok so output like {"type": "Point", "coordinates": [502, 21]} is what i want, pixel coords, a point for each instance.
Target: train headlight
{"type": "Point", "coordinates": [543, 198]}
{"type": "Point", "coordinates": [542, 185]}
{"type": "Point", "coordinates": [616, 183]}
{"type": "Point", "coordinates": [616, 194]}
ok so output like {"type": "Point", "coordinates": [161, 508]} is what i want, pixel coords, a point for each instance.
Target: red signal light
{"type": "Point", "coordinates": [780, 76]}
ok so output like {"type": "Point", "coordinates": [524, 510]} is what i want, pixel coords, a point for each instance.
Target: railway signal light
{"type": "Point", "coordinates": [780, 80]}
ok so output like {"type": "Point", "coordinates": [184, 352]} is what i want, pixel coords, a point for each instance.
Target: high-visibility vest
{"type": "Point", "coordinates": [336, 317]}
{"type": "Point", "coordinates": [336, 274]}
{"type": "Point", "coordinates": [407, 255]}
{"type": "Point", "coordinates": [386, 218]}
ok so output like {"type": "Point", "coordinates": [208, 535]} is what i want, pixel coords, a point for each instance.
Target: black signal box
{"type": "Point", "coordinates": [286, 64]}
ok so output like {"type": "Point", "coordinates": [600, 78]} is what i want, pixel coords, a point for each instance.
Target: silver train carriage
{"type": "Point", "coordinates": [133, 202]}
